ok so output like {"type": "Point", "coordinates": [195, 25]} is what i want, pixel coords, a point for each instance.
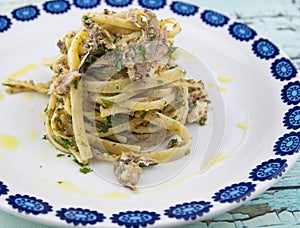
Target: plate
{"type": "Point", "coordinates": [251, 138]}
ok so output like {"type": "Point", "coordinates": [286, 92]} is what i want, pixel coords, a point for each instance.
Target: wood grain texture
{"type": "Point", "coordinates": [279, 20]}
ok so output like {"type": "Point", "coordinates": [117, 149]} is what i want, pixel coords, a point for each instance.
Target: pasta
{"type": "Point", "coordinates": [117, 91]}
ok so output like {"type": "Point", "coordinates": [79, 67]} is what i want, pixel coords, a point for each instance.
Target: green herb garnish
{"type": "Point", "coordinates": [202, 121]}
{"type": "Point", "coordinates": [85, 169]}
{"type": "Point", "coordinates": [107, 102]}
{"type": "Point", "coordinates": [60, 155]}
{"type": "Point", "coordinates": [143, 115]}
{"type": "Point", "coordinates": [67, 143]}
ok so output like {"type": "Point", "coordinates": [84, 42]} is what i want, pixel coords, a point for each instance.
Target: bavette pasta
{"type": "Point", "coordinates": [117, 93]}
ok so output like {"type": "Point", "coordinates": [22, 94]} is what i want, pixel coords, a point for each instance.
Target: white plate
{"type": "Point", "coordinates": [253, 129]}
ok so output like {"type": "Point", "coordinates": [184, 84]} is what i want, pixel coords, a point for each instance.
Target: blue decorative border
{"type": "Point", "coordinates": [281, 69]}
{"type": "Point", "coordinates": [118, 3]}
{"type": "Point", "coordinates": [264, 49]}
{"type": "Point", "coordinates": [80, 216]}
{"type": "Point", "coordinates": [269, 170]}
{"type": "Point", "coordinates": [188, 211]}
{"type": "Point", "coordinates": [29, 204]}
{"type": "Point", "coordinates": [135, 219]}
{"type": "Point", "coordinates": [3, 188]}
{"type": "Point", "coordinates": [213, 18]}
{"type": "Point", "coordinates": [26, 13]}
{"type": "Point", "coordinates": [184, 9]}
{"type": "Point", "coordinates": [57, 6]}
{"type": "Point", "coordinates": [241, 32]}
{"type": "Point", "coordinates": [234, 193]}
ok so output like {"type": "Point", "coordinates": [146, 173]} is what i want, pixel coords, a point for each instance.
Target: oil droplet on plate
{"type": "Point", "coordinates": [41, 116]}
{"type": "Point", "coordinates": [243, 126]}
{"type": "Point", "coordinates": [114, 195]}
{"type": "Point", "coordinates": [1, 97]}
{"type": "Point", "coordinates": [33, 134]}
{"type": "Point", "coordinates": [28, 96]}
{"type": "Point", "coordinates": [9, 142]}
{"type": "Point", "coordinates": [69, 187]}
{"type": "Point", "coordinates": [220, 88]}
{"type": "Point", "coordinates": [22, 71]}
{"type": "Point", "coordinates": [224, 79]}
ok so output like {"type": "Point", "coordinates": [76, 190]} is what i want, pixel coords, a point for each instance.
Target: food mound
{"type": "Point", "coordinates": [117, 92]}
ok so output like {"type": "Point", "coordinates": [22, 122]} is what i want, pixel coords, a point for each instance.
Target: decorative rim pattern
{"type": "Point", "coordinates": [269, 170]}
{"type": "Point", "coordinates": [241, 32]}
{"type": "Point", "coordinates": [118, 3]}
{"type": "Point", "coordinates": [56, 6]}
{"type": "Point", "coordinates": [184, 9]}
{"type": "Point", "coordinates": [28, 204]}
{"type": "Point", "coordinates": [86, 4]}
{"type": "Point", "coordinates": [5, 23]}
{"type": "Point", "coordinates": [290, 93]}
{"type": "Point", "coordinates": [152, 4]}
{"type": "Point", "coordinates": [79, 216]}
{"type": "Point", "coordinates": [213, 18]}
{"type": "Point", "coordinates": [292, 118]}
{"type": "Point", "coordinates": [3, 189]}
{"type": "Point", "coordinates": [281, 70]}
{"type": "Point", "coordinates": [288, 144]}
{"type": "Point", "coordinates": [264, 49]}
{"type": "Point", "coordinates": [135, 218]}
{"type": "Point", "coordinates": [26, 13]}
{"type": "Point", "coordinates": [188, 211]}
{"type": "Point", "coordinates": [235, 193]}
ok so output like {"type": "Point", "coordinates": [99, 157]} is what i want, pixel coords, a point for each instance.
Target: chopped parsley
{"type": "Point", "coordinates": [118, 64]}
{"type": "Point", "coordinates": [60, 155]}
{"type": "Point", "coordinates": [67, 143]}
{"type": "Point", "coordinates": [60, 182]}
{"type": "Point", "coordinates": [141, 50]}
{"type": "Point", "coordinates": [143, 115]}
{"type": "Point", "coordinates": [171, 50]}
{"type": "Point", "coordinates": [107, 102]}
{"type": "Point", "coordinates": [75, 84]}
{"type": "Point", "coordinates": [103, 127]}
{"type": "Point", "coordinates": [173, 143]}
{"type": "Point", "coordinates": [85, 169]}
{"type": "Point", "coordinates": [202, 121]}
{"type": "Point", "coordinates": [160, 82]}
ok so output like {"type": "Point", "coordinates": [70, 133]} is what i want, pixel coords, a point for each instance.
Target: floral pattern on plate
{"type": "Point", "coordinates": [5, 23]}
{"type": "Point", "coordinates": [135, 219]}
{"type": "Point", "coordinates": [264, 49]}
{"type": "Point", "coordinates": [290, 93]}
{"type": "Point", "coordinates": [79, 216]}
{"type": "Point", "coordinates": [56, 7]}
{"type": "Point", "coordinates": [268, 170]}
{"type": "Point", "coordinates": [29, 204]}
{"type": "Point", "coordinates": [241, 32]}
{"type": "Point", "coordinates": [152, 4]}
{"type": "Point", "coordinates": [184, 9]}
{"type": "Point", "coordinates": [213, 18]}
{"type": "Point", "coordinates": [3, 189]}
{"type": "Point", "coordinates": [288, 144]}
{"type": "Point", "coordinates": [283, 69]}
{"type": "Point", "coordinates": [86, 4]}
{"type": "Point", "coordinates": [292, 118]}
{"type": "Point", "coordinates": [26, 13]}
{"type": "Point", "coordinates": [188, 211]}
{"type": "Point", "coordinates": [235, 193]}
{"type": "Point", "coordinates": [118, 3]}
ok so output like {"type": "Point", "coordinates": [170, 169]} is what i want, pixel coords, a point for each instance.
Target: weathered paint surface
{"type": "Point", "coordinates": [278, 207]}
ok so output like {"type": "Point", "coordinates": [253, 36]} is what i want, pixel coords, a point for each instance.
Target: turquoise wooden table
{"type": "Point", "coordinates": [279, 206]}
